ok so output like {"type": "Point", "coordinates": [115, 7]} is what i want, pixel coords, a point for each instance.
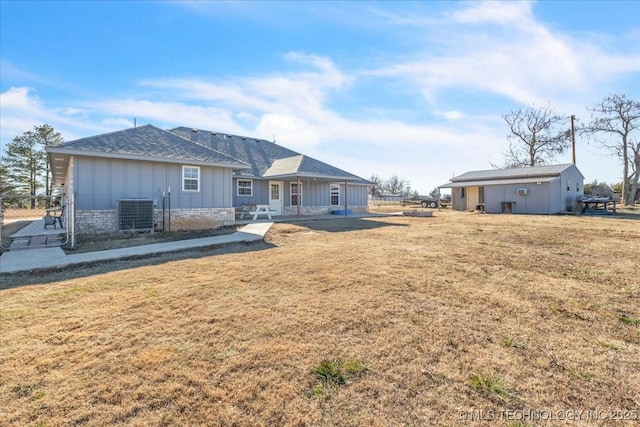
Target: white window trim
{"type": "Point", "coordinates": [184, 179]}
{"type": "Point", "coordinates": [331, 188]}
{"type": "Point", "coordinates": [291, 193]}
{"type": "Point", "coordinates": [250, 181]}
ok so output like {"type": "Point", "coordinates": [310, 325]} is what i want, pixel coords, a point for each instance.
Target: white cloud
{"type": "Point", "coordinates": [504, 13]}
{"type": "Point", "coordinates": [453, 115]}
{"type": "Point", "coordinates": [489, 49]}
{"type": "Point", "coordinates": [501, 49]}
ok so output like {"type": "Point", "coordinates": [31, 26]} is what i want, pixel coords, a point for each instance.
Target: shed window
{"type": "Point", "coordinates": [190, 178]}
{"type": "Point", "coordinates": [462, 192]}
{"type": "Point", "coordinates": [296, 194]}
{"type": "Point", "coordinates": [245, 187]}
{"type": "Point", "coordinates": [335, 194]}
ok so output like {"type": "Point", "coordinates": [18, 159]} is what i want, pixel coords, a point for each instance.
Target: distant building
{"type": "Point", "coordinates": [529, 190]}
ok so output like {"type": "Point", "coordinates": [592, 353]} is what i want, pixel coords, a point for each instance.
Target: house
{"type": "Point", "coordinates": [142, 177]}
{"type": "Point", "coordinates": [529, 190]}
{"type": "Point", "coordinates": [289, 182]}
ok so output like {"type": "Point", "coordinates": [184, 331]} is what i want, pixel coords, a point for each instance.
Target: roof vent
{"type": "Point", "coordinates": [213, 133]}
{"type": "Point", "coordinates": [195, 130]}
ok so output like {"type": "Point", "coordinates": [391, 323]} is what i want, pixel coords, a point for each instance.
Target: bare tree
{"type": "Point", "coordinates": [394, 185]}
{"type": "Point", "coordinates": [376, 189]}
{"type": "Point", "coordinates": [618, 117]}
{"type": "Point", "coordinates": [635, 166]}
{"type": "Point", "coordinates": [537, 135]}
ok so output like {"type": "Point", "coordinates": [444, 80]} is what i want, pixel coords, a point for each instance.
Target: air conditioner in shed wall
{"type": "Point", "coordinates": [135, 215]}
{"type": "Point", "coordinates": [522, 191]}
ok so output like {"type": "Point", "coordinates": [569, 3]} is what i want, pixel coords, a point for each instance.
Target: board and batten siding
{"type": "Point", "coordinates": [318, 193]}
{"type": "Point", "coordinates": [314, 193]}
{"type": "Point", "coordinates": [259, 195]}
{"type": "Point", "coordinates": [536, 201]}
{"type": "Point", "coordinates": [99, 183]}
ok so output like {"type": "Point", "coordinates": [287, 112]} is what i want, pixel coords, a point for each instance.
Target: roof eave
{"type": "Point", "coordinates": [142, 157]}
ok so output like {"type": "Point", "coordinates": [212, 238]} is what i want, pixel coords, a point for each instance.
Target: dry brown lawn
{"type": "Point", "coordinates": [392, 321]}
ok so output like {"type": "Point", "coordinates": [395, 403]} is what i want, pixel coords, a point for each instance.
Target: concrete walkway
{"type": "Point", "coordinates": [35, 235]}
{"type": "Point", "coordinates": [43, 258]}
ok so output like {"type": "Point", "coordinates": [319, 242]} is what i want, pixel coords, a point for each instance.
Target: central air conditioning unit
{"type": "Point", "coordinates": [522, 191]}
{"type": "Point", "coordinates": [135, 215]}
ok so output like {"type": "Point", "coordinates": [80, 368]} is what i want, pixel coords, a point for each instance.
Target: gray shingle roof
{"type": "Point", "coordinates": [146, 142]}
{"type": "Point", "coordinates": [266, 159]}
{"type": "Point", "coordinates": [258, 153]}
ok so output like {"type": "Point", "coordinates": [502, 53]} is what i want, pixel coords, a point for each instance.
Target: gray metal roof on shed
{"type": "Point", "coordinates": [266, 158]}
{"type": "Point", "coordinates": [486, 183]}
{"type": "Point", "coordinates": [525, 172]}
{"type": "Point", "coordinates": [531, 174]}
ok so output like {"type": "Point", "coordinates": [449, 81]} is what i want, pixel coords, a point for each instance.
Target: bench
{"type": "Point", "coordinates": [246, 209]}
{"type": "Point", "coordinates": [261, 210]}
{"type": "Point", "coordinates": [52, 216]}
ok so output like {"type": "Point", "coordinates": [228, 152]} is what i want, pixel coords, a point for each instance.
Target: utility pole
{"type": "Point", "coordinates": [573, 140]}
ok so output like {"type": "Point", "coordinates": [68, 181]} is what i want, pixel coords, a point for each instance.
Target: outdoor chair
{"type": "Point", "coordinates": [53, 215]}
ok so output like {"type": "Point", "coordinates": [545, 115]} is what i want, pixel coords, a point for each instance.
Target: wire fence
{"type": "Point", "coordinates": [33, 221]}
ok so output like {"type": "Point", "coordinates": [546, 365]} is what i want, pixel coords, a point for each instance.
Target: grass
{"type": "Point", "coordinates": [630, 320]}
{"type": "Point", "coordinates": [422, 317]}
{"type": "Point", "coordinates": [493, 386]}
{"type": "Point", "coordinates": [511, 342]}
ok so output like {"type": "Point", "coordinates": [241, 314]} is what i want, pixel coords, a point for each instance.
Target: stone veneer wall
{"type": "Point", "coordinates": [95, 221]}
{"type": "Point", "coordinates": [321, 210]}
{"type": "Point", "coordinates": [105, 221]}
{"type": "Point", "coordinates": [200, 218]}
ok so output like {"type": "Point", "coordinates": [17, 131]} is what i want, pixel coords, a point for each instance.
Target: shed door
{"type": "Point", "coordinates": [276, 197]}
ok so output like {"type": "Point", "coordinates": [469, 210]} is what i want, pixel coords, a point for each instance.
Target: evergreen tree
{"type": "Point", "coordinates": [25, 164]}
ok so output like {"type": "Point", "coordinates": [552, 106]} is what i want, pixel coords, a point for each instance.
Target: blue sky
{"type": "Point", "coordinates": [414, 89]}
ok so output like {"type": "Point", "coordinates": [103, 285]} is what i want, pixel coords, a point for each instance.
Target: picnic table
{"type": "Point", "coordinates": [261, 210]}
{"type": "Point", "coordinates": [594, 203]}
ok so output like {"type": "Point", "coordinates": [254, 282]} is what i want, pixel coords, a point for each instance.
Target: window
{"type": "Point", "coordinates": [334, 193]}
{"type": "Point", "coordinates": [245, 187]}
{"type": "Point", "coordinates": [296, 194]}
{"type": "Point", "coordinates": [462, 192]}
{"type": "Point", "coordinates": [275, 191]}
{"type": "Point", "coordinates": [190, 178]}
{"type": "Point", "coordinates": [577, 187]}
{"type": "Point", "coordinates": [568, 185]}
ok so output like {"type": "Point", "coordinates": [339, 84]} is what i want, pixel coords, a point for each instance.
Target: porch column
{"type": "Point", "coordinates": [299, 195]}
{"type": "Point", "coordinates": [346, 204]}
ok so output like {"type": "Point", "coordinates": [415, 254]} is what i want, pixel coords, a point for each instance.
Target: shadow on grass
{"type": "Point", "coordinates": [53, 275]}
{"type": "Point", "coordinates": [8, 230]}
{"type": "Point", "coordinates": [337, 225]}
{"type": "Point", "coordinates": [607, 215]}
